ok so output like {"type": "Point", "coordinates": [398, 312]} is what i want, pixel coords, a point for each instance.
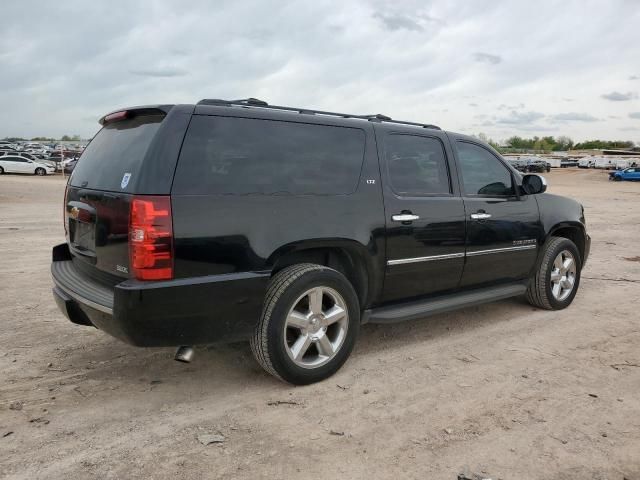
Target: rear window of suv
{"type": "Point", "coordinates": [230, 155]}
{"type": "Point", "coordinates": [112, 160]}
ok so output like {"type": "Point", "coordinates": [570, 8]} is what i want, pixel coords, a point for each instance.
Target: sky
{"type": "Point", "coordinates": [502, 68]}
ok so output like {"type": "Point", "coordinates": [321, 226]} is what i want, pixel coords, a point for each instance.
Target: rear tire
{"type": "Point", "coordinates": [556, 281]}
{"type": "Point", "coordinates": [1, 171]}
{"type": "Point", "coordinates": [40, 171]}
{"type": "Point", "coordinates": [309, 324]}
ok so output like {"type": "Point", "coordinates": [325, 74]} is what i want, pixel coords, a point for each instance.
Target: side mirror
{"type": "Point", "coordinates": [533, 184]}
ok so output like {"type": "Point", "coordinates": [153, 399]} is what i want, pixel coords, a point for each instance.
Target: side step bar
{"type": "Point", "coordinates": [424, 308]}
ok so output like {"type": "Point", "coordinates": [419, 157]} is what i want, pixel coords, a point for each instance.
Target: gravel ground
{"type": "Point", "coordinates": [502, 390]}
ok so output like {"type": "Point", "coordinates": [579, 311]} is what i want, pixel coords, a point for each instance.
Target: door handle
{"type": "Point", "coordinates": [405, 217]}
{"type": "Point", "coordinates": [480, 216]}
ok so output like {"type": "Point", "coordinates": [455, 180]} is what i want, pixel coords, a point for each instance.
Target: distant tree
{"type": "Point", "coordinates": [563, 143]}
{"type": "Point", "coordinates": [65, 138]}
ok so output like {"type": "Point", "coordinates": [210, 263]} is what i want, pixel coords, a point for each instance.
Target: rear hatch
{"type": "Point", "coordinates": [100, 192]}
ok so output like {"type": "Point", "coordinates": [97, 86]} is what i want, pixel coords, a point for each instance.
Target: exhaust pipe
{"type": "Point", "coordinates": [184, 354]}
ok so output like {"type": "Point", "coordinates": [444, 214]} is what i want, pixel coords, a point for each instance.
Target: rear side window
{"type": "Point", "coordinates": [417, 165]}
{"type": "Point", "coordinates": [228, 155]}
{"type": "Point", "coordinates": [113, 159]}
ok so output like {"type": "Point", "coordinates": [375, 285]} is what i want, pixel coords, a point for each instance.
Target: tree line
{"type": "Point", "coordinates": [556, 144]}
{"type": "Point", "coordinates": [64, 138]}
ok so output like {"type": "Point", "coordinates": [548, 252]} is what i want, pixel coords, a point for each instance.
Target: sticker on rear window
{"type": "Point", "coordinates": [125, 180]}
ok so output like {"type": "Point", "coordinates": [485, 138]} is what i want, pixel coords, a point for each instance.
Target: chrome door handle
{"type": "Point", "coordinates": [405, 217]}
{"type": "Point", "coordinates": [480, 216]}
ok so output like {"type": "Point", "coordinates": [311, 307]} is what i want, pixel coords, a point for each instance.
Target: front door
{"type": "Point", "coordinates": [425, 218]}
{"type": "Point", "coordinates": [503, 229]}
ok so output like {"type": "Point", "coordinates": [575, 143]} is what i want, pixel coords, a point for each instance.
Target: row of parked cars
{"type": "Point", "coordinates": [608, 162]}
{"type": "Point", "coordinates": [23, 162]}
{"type": "Point", "coordinates": [529, 164]}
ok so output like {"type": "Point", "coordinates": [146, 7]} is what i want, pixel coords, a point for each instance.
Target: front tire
{"type": "Point", "coordinates": [309, 324]}
{"type": "Point", "coordinates": [556, 281]}
{"type": "Point", "coordinates": [40, 171]}
{"type": "Point", "coordinates": [1, 171]}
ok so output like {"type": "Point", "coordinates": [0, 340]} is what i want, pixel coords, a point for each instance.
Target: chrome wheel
{"type": "Point", "coordinates": [316, 327]}
{"type": "Point", "coordinates": [563, 275]}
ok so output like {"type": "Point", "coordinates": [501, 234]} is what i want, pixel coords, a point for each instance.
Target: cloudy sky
{"type": "Point", "coordinates": [498, 67]}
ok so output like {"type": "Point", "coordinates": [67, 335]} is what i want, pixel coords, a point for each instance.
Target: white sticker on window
{"type": "Point", "coordinates": [125, 180]}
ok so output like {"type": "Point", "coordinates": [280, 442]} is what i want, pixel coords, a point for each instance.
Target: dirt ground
{"type": "Point", "coordinates": [502, 390]}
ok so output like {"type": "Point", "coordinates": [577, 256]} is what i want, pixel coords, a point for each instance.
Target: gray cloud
{"type": "Point", "coordinates": [573, 117]}
{"type": "Point", "coordinates": [400, 21]}
{"type": "Point", "coordinates": [620, 97]}
{"type": "Point", "coordinates": [487, 58]}
{"type": "Point", "coordinates": [159, 73]}
{"type": "Point", "coordinates": [635, 115]}
{"type": "Point", "coordinates": [520, 118]}
{"type": "Point", "coordinates": [634, 77]}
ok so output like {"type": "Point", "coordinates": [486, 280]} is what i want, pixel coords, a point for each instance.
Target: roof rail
{"type": "Point", "coordinates": [254, 102]}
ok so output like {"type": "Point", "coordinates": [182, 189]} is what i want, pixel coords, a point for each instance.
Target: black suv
{"type": "Point", "coordinates": [231, 220]}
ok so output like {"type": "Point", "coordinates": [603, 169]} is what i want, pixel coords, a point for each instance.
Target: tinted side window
{"type": "Point", "coordinates": [482, 172]}
{"type": "Point", "coordinates": [227, 155]}
{"type": "Point", "coordinates": [416, 165]}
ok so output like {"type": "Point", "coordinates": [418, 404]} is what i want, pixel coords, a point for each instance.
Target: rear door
{"type": "Point", "coordinates": [9, 164]}
{"type": "Point", "coordinates": [425, 220]}
{"type": "Point", "coordinates": [100, 191]}
{"type": "Point", "coordinates": [503, 229]}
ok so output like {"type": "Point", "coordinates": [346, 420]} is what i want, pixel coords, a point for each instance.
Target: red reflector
{"type": "Point", "coordinates": [151, 238]}
{"type": "Point", "coordinates": [114, 117]}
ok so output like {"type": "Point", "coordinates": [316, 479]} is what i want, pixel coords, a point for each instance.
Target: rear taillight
{"type": "Point", "coordinates": [151, 238]}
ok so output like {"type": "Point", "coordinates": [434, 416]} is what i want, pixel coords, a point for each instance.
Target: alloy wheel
{"type": "Point", "coordinates": [316, 327]}
{"type": "Point", "coordinates": [563, 275]}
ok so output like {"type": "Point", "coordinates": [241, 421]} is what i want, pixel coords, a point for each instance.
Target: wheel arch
{"type": "Point", "coordinates": [574, 231]}
{"type": "Point", "coordinates": [346, 256]}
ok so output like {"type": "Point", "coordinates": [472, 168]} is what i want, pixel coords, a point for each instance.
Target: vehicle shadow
{"type": "Point", "coordinates": [225, 368]}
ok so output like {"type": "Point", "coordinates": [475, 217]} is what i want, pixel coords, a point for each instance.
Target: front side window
{"type": "Point", "coordinates": [244, 156]}
{"type": "Point", "coordinates": [417, 165]}
{"type": "Point", "coordinates": [482, 172]}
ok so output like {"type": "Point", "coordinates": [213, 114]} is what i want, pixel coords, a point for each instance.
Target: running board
{"type": "Point", "coordinates": [445, 303]}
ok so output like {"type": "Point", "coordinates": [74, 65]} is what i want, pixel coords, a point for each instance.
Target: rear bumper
{"type": "Point", "coordinates": [201, 310]}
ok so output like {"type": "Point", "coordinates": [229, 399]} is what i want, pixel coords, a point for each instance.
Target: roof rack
{"type": "Point", "coordinates": [254, 102]}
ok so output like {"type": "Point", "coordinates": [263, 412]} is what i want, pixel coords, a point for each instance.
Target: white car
{"type": "Point", "coordinates": [17, 164]}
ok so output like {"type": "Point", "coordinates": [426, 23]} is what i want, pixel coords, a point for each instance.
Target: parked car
{"type": "Point", "coordinates": [20, 164]}
{"type": "Point", "coordinates": [632, 173]}
{"type": "Point", "coordinates": [538, 166]}
{"type": "Point", "coordinates": [518, 164]}
{"type": "Point", "coordinates": [586, 162]}
{"type": "Point", "coordinates": [69, 165]}
{"type": "Point", "coordinates": [569, 162]}
{"type": "Point", "coordinates": [288, 227]}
